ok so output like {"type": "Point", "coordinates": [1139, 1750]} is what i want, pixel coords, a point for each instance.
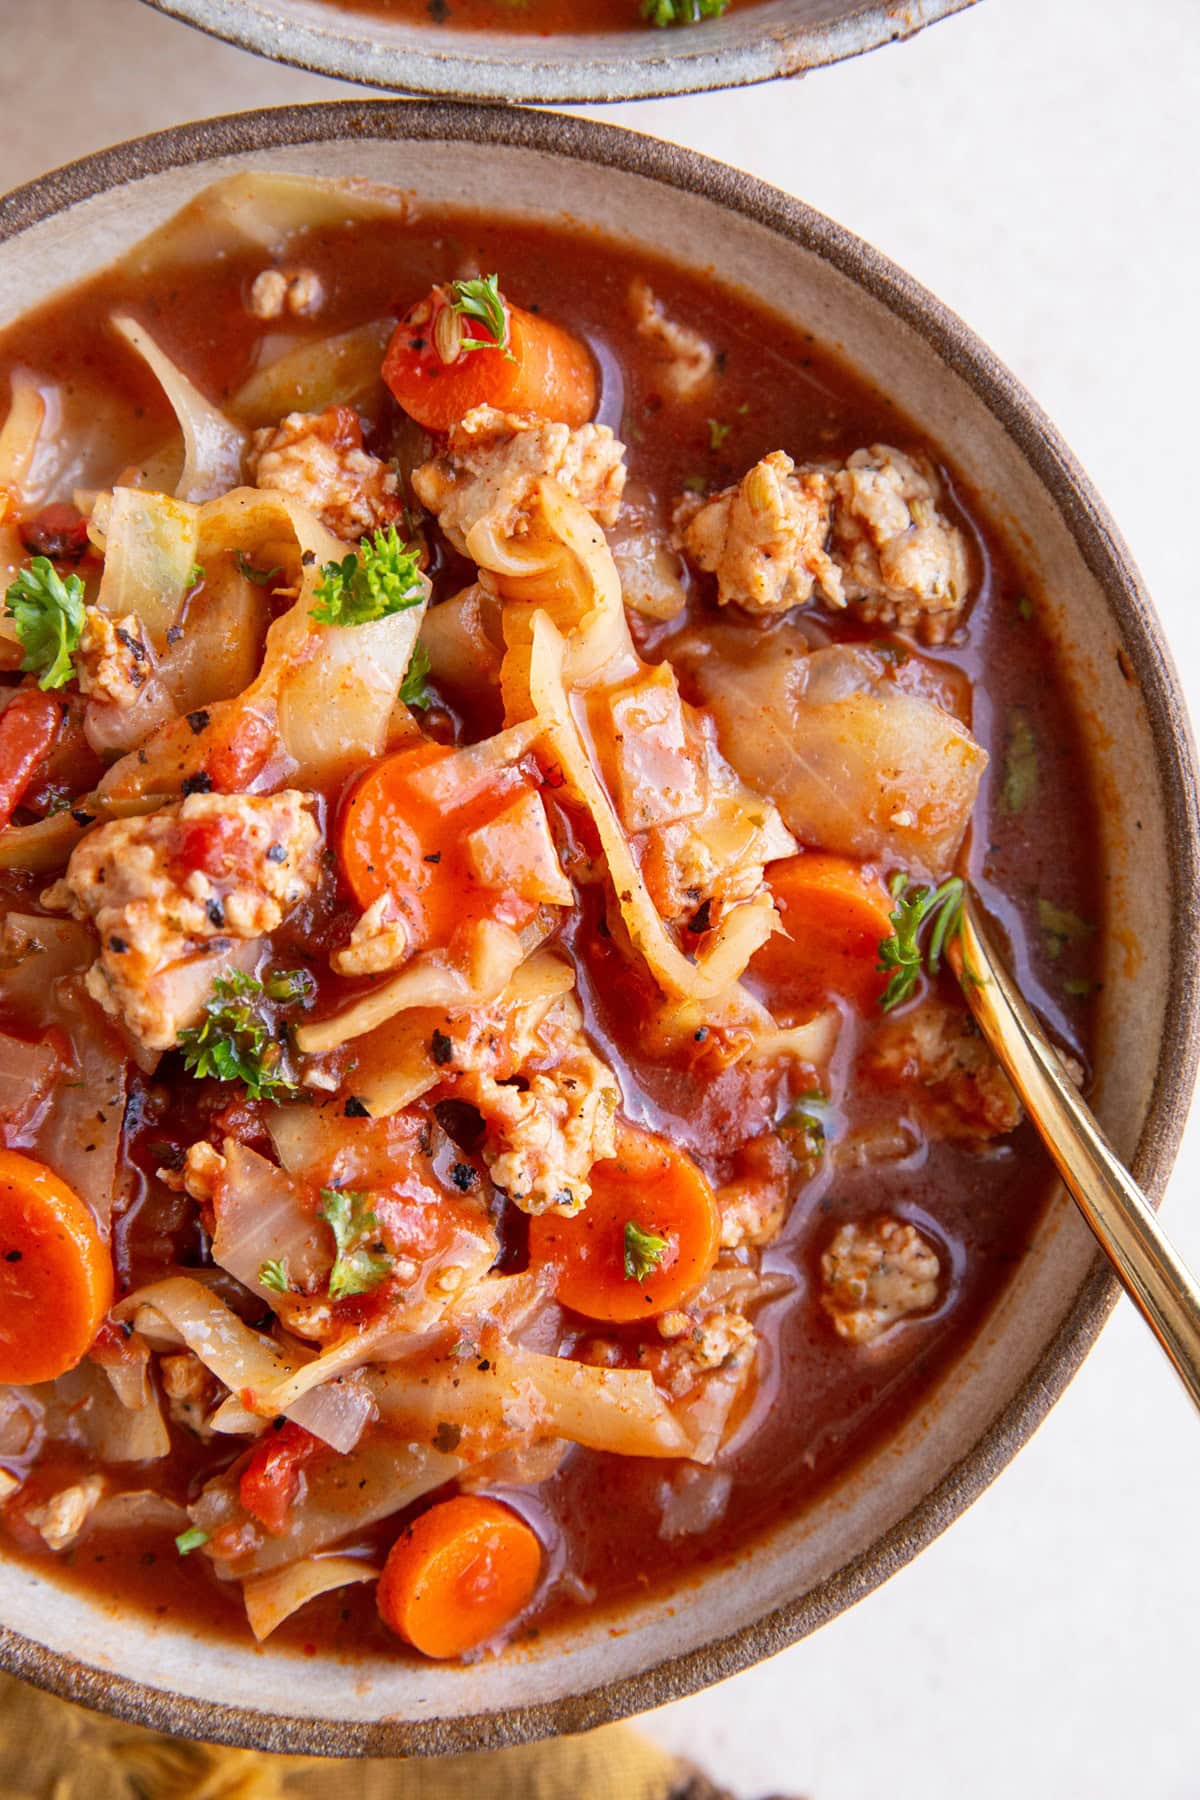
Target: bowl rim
{"type": "Point", "coordinates": [1111, 565]}
{"type": "Point", "coordinates": [623, 65]}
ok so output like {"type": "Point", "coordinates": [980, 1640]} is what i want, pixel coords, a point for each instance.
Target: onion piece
{"type": "Point", "coordinates": [81, 1407]}
{"type": "Point", "coordinates": [342, 370]}
{"type": "Point", "coordinates": [149, 542]}
{"type": "Point", "coordinates": [20, 432]}
{"type": "Point", "coordinates": [213, 444]}
{"type": "Point", "coordinates": [344, 1494]}
{"type": "Point", "coordinates": [274, 1597]}
{"type": "Point", "coordinates": [26, 1073]}
{"type": "Point", "coordinates": [262, 1215]}
{"type": "Point", "coordinates": [742, 929]}
{"type": "Point", "coordinates": [138, 1508]}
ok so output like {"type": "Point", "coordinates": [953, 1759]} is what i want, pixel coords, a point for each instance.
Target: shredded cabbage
{"type": "Point", "coordinates": [213, 446]}
{"type": "Point", "coordinates": [275, 1596]}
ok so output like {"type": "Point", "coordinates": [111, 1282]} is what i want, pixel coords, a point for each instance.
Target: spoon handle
{"type": "Point", "coordinates": [1151, 1270]}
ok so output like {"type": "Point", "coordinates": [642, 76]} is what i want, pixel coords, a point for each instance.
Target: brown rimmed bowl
{"type": "Point", "coordinates": [896, 1500]}
{"type": "Point", "coordinates": [772, 38]}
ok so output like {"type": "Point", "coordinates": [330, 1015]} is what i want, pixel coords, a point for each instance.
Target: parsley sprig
{"type": "Point", "coordinates": [480, 299]}
{"type": "Point", "coordinates": [381, 578]}
{"type": "Point", "coordinates": [48, 613]}
{"type": "Point", "coordinates": [233, 1042]}
{"type": "Point", "coordinates": [358, 1267]}
{"type": "Point", "coordinates": [273, 1274]}
{"type": "Point", "coordinates": [900, 955]}
{"type": "Point", "coordinates": [414, 689]}
{"type": "Point", "coordinates": [681, 12]}
{"type": "Point", "coordinates": [644, 1250]}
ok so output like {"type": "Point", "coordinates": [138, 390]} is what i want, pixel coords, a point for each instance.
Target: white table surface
{"type": "Point", "coordinates": [1036, 165]}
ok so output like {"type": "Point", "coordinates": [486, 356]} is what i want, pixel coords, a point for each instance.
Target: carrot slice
{"type": "Point", "coordinates": [392, 840]}
{"type": "Point", "coordinates": [835, 913]}
{"type": "Point", "coordinates": [56, 1280]}
{"type": "Point", "coordinates": [547, 373]}
{"type": "Point", "coordinates": [460, 1573]}
{"type": "Point", "coordinates": [646, 1239]}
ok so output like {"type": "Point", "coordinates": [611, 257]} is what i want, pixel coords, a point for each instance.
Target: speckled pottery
{"type": "Point", "coordinates": [774, 38]}
{"type": "Point", "coordinates": [895, 1501]}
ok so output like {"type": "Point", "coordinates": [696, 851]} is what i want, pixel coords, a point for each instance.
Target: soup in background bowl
{"type": "Point", "coordinates": [537, 51]}
{"type": "Point", "coordinates": [496, 717]}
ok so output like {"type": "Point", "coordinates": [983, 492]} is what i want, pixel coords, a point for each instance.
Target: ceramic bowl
{"type": "Point", "coordinates": [895, 1501]}
{"type": "Point", "coordinates": [771, 38]}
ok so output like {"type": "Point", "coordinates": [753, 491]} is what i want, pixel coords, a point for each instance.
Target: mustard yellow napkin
{"type": "Point", "coordinates": [50, 1750]}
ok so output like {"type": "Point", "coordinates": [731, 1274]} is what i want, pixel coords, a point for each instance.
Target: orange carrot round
{"type": "Point", "coordinates": [546, 372]}
{"type": "Point", "coordinates": [460, 1573]}
{"type": "Point", "coordinates": [648, 1236]}
{"type": "Point", "coordinates": [834, 913]}
{"type": "Point", "coordinates": [391, 839]}
{"type": "Point", "coordinates": [56, 1279]}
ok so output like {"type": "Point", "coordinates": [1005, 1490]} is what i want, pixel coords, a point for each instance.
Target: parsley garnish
{"type": "Point", "coordinates": [195, 575]}
{"type": "Point", "coordinates": [681, 12]}
{"type": "Point", "coordinates": [1060, 927]}
{"type": "Point", "coordinates": [480, 299]}
{"type": "Point", "coordinates": [356, 1269]}
{"type": "Point", "coordinates": [260, 577]}
{"type": "Point", "coordinates": [274, 1275]}
{"type": "Point", "coordinates": [288, 986]}
{"type": "Point", "coordinates": [234, 1041]}
{"type": "Point", "coordinates": [900, 955]}
{"type": "Point", "coordinates": [380, 579]}
{"type": "Point", "coordinates": [717, 433]}
{"type": "Point", "coordinates": [190, 1540]}
{"type": "Point", "coordinates": [804, 1123]}
{"type": "Point", "coordinates": [644, 1250]}
{"type": "Point", "coordinates": [413, 689]}
{"type": "Point", "coordinates": [48, 612]}
{"type": "Point", "coordinates": [1020, 763]}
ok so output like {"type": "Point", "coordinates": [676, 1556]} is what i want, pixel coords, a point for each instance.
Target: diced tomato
{"type": "Point", "coordinates": [273, 1479]}
{"type": "Point", "coordinates": [72, 766]}
{"type": "Point", "coordinates": [238, 754]}
{"type": "Point", "coordinates": [29, 726]}
{"type": "Point", "coordinates": [59, 531]}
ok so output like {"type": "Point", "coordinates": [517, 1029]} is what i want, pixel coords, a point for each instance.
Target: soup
{"type": "Point", "coordinates": [494, 726]}
{"type": "Point", "coordinates": [544, 17]}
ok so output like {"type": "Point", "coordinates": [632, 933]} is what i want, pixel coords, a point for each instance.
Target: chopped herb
{"type": "Point", "coordinates": [413, 691]}
{"type": "Point", "coordinates": [48, 614]}
{"type": "Point", "coordinates": [804, 1125]}
{"type": "Point", "coordinates": [1078, 989]}
{"type": "Point", "coordinates": [695, 484]}
{"type": "Point", "coordinates": [480, 299]}
{"type": "Point", "coordinates": [717, 433]}
{"type": "Point", "coordinates": [896, 654]}
{"type": "Point", "coordinates": [1020, 763]}
{"type": "Point", "coordinates": [356, 1269]}
{"type": "Point", "coordinates": [1025, 607]}
{"type": "Point", "coordinates": [380, 579]}
{"type": "Point", "coordinates": [195, 575]}
{"type": "Point", "coordinates": [290, 986]}
{"type": "Point", "coordinates": [1060, 927]}
{"type": "Point", "coordinates": [190, 1540]}
{"type": "Point", "coordinates": [274, 1275]}
{"type": "Point", "coordinates": [644, 1250]}
{"type": "Point", "coordinates": [260, 577]}
{"type": "Point", "coordinates": [681, 12]}
{"type": "Point", "coordinates": [900, 954]}
{"type": "Point", "coordinates": [234, 1042]}
{"type": "Point", "coordinates": [446, 1437]}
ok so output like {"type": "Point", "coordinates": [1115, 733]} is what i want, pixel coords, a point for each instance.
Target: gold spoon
{"type": "Point", "coordinates": [1119, 1214]}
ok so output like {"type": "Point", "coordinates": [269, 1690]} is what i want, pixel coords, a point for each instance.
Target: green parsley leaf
{"type": "Point", "coordinates": [190, 1540]}
{"type": "Point", "coordinates": [274, 1275]}
{"type": "Point", "coordinates": [357, 1269]}
{"type": "Point", "coordinates": [1079, 989]}
{"type": "Point", "coordinates": [1020, 763]}
{"type": "Point", "coordinates": [289, 986]}
{"type": "Point", "coordinates": [1061, 927]}
{"type": "Point", "coordinates": [1024, 607]}
{"type": "Point", "coordinates": [644, 1250]}
{"type": "Point", "coordinates": [901, 954]}
{"type": "Point", "coordinates": [260, 577]}
{"type": "Point", "coordinates": [48, 613]}
{"type": "Point", "coordinates": [480, 299]}
{"type": "Point", "coordinates": [195, 575]}
{"type": "Point", "coordinates": [804, 1123]}
{"type": "Point", "coordinates": [717, 433]}
{"type": "Point", "coordinates": [233, 1042]}
{"type": "Point", "coordinates": [681, 12]}
{"type": "Point", "coordinates": [381, 579]}
{"type": "Point", "coordinates": [413, 689]}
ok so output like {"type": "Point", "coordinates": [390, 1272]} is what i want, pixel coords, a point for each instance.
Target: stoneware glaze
{"type": "Point", "coordinates": [893, 1503]}
{"type": "Point", "coordinates": [767, 40]}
